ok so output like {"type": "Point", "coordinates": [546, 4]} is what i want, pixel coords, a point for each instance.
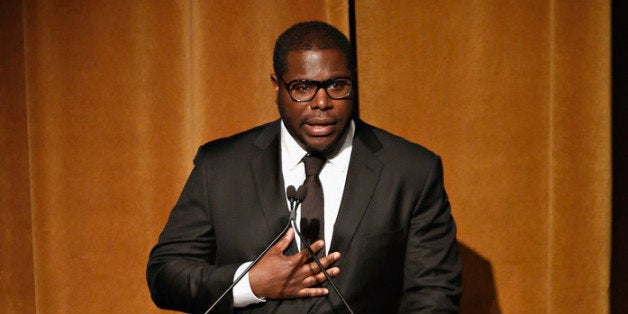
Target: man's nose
{"type": "Point", "coordinates": [321, 100]}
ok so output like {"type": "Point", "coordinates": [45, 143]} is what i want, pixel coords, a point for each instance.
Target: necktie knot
{"type": "Point", "coordinates": [313, 164]}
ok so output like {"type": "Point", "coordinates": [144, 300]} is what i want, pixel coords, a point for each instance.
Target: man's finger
{"type": "Point", "coordinates": [320, 277]}
{"type": "Point", "coordinates": [313, 268]}
{"type": "Point", "coordinates": [312, 292]}
{"type": "Point", "coordinates": [304, 255]}
{"type": "Point", "coordinates": [328, 260]}
{"type": "Point", "coordinates": [317, 246]}
{"type": "Point", "coordinates": [285, 241]}
{"type": "Point", "coordinates": [332, 272]}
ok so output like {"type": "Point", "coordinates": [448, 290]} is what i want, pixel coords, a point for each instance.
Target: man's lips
{"type": "Point", "coordinates": [318, 129]}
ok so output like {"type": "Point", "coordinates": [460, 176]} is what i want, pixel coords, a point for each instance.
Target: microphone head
{"type": "Point", "coordinates": [301, 193]}
{"type": "Point", "coordinates": [291, 192]}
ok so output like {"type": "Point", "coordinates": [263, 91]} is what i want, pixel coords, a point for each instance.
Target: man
{"type": "Point", "coordinates": [386, 232]}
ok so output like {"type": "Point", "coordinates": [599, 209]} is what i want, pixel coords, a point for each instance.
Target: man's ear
{"type": "Point", "coordinates": [273, 79]}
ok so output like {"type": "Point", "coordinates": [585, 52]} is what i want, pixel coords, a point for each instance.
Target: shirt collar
{"type": "Point", "coordinates": [292, 152]}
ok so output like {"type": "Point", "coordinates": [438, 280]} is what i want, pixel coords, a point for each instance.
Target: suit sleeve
{"type": "Point", "coordinates": [181, 273]}
{"type": "Point", "coordinates": [432, 280]}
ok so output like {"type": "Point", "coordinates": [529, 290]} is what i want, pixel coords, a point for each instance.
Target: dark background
{"type": "Point", "coordinates": [619, 266]}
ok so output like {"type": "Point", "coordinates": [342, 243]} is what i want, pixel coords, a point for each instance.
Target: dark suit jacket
{"type": "Point", "coordinates": [394, 228]}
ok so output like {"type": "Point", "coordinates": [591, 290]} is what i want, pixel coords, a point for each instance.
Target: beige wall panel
{"type": "Point", "coordinates": [17, 284]}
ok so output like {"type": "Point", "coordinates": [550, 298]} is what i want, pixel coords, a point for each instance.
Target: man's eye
{"type": "Point", "coordinates": [338, 84]}
{"type": "Point", "coordinates": [302, 87]}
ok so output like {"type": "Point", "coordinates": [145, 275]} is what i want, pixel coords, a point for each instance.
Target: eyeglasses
{"type": "Point", "coordinates": [305, 90]}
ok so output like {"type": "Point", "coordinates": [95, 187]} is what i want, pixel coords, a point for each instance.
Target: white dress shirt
{"type": "Point", "coordinates": [333, 177]}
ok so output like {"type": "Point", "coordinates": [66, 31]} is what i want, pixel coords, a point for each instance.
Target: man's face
{"type": "Point", "coordinates": [320, 123]}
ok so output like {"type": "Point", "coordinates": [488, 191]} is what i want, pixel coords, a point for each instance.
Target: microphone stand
{"type": "Point", "coordinates": [294, 202]}
{"type": "Point", "coordinates": [300, 196]}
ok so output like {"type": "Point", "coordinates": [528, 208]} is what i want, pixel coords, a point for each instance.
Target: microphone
{"type": "Point", "coordinates": [295, 199]}
{"type": "Point", "coordinates": [291, 193]}
{"type": "Point", "coordinates": [295, 196]}
{"type": "Point", "coordinates": [301, 192]}
{"type": "Point", "coordinates": [298, 199]}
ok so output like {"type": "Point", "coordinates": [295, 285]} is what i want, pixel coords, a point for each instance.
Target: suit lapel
{"type": "Point", "coordinates": [268, 179]}
{"type": "Point", "coordinates": [362, 177]}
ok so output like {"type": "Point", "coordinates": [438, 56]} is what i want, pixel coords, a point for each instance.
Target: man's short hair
{"type": "Point", "coordinates": [312, 35]}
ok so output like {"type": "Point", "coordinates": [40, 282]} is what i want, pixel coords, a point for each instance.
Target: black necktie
{"type": "Point", "coordinates": [312, 214]}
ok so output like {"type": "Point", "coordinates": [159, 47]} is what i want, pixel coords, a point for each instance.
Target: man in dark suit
{"type": "Point", "coordinates": [387, 234]}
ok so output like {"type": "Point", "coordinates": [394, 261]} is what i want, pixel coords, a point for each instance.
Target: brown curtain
{"type": "Point", "coordinates": [515, 96]}
{"type": "Point", "coordinates": [105, 102]}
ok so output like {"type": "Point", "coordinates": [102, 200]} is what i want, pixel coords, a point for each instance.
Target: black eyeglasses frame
{"type": "Point", "coordinates": [319, 84]}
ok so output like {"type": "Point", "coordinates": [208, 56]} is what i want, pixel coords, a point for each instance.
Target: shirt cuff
{"type": "Point", "coordinates": [242, 293]}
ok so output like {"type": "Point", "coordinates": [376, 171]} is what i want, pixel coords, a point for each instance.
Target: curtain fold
{"type": "Point", "coordinates": [17, 281]}
{"type": "Point", "coordinates": [580, 159]}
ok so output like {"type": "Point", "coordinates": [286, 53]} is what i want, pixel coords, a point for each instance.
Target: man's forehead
{"type": "Point", "coordinates": [316, 55]}
{"type": "Point", "coordinates": [317, 63]}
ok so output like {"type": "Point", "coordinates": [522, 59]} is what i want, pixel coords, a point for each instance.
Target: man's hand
{"type": "Point", "coordinates": [277, 276]}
